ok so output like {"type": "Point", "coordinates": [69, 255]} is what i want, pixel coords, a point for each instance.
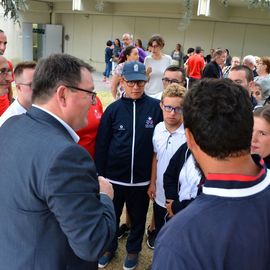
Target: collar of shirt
{"type": "Point", "coordinates": [72, 133]}
{"type": "Point", "coordinates": [237, 185]}
{"type": "Point", "coordinates": [179, 130]}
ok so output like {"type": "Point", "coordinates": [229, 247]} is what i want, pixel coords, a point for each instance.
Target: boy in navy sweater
{"type": "Point", "coordinates": [124, 153]}
{"type": "Point", "coordinates": [227, 227]}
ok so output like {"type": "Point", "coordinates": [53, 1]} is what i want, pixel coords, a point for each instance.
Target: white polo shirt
{"type": "Point", "coordinates": [165, 145]}
{"type": "Point", "coordinates": [189, 178]}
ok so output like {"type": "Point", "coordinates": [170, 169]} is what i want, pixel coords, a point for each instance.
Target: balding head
{"type": "Point", "coordinates": [127, 39]}
{"type": "Point", "coordinates": [249, 61]}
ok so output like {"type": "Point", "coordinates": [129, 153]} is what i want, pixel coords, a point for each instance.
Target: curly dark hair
{"type": "Point", "coordinates": [218, 113]}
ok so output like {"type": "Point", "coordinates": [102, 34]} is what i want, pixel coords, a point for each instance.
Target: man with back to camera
{"type": "Point", "coordinates": [195, 66]}
{"type": "Point", "coordinates": [23, 76]}
{"type": "Point", "coordinates": [227, 226]}
{"type": "Point", "coordinates": [54, 214]}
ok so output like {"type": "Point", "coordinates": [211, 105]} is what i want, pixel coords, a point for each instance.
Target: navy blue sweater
{"type": "Point", "coordinates": [124, 147]}
{"type": "Point", "coordinates": [226, 228]}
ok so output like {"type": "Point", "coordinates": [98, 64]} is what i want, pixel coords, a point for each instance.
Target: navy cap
{"type": "Point", "coordinates": [134, 71]}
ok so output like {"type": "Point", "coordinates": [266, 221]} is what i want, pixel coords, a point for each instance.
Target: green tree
{"type": "Point", "coordinates": [12, 8]}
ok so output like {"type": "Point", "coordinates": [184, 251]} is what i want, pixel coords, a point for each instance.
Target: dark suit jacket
{"type": "Point", "coordinates": [51, 213]}
{"type": "Point", "coordinates": [212, 70]}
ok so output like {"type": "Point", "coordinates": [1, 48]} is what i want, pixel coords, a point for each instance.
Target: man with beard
{"type": "Point", "coordinates": [227, 226]}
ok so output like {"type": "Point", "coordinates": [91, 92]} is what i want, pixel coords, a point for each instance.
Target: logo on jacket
{"type": "Point", "coordinates": [121, 127]}
{"type": "Point", "coordinates": [149, 122]}
{"type": "Point", "coordinates": [97, 114]}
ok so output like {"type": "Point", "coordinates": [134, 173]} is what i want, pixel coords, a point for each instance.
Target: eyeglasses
{"type": "Point", "coordinates": [168, 81]}
{"type": "Point", "coordinates": [132, 83]}
{"type": "Point", "coordinates": [26, 84]}
{"type": "Point", "coordinates": [155, 46]}
{"type": "Point", "coordinates": [168, 108]}
{"type": "Point", "coordinates": [91, 93]}
{"type": "Point", "coordinates": [5, 71]}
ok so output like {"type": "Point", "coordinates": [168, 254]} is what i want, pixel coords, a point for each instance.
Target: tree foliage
{"type": "Point", "coordinates": [12, 8]}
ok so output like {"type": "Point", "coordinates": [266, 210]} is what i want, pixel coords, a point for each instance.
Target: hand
{"type": "Point", "coordinates": [148, 72]}
{"type": "Point", "coordinates": [152, 191]}
{"type": "Point", "coordinates": [169, 207]}
{"type": "Point", "coordinates": [105, 186]}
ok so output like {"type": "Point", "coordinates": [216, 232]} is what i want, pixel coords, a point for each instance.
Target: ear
{"type": "Point", "coordinates": [18, 87]}
{"type": "Point", "coordinates": [160, 104]}
{"type": "Point", "coordinates": [62, 94]}
{"type": "Point", "coordinates": [251, 85]}
{"type": "Point", "coordinates": [190, 140]}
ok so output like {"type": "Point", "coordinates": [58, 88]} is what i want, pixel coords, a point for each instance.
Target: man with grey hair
{"type": "Point", "coordinates": [250, 61]}
{"type": "Point", "coordinates": [127, 39]}
{"type": "Point", "coordinates": [55, 212]}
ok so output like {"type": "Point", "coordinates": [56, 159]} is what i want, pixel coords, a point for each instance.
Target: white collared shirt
{"type": "Point", "coordinates": [72, 133]}
{"type": "Point", "coordinates": [165, 145]}
{"type": "Point", "coordinates": [14, 109]}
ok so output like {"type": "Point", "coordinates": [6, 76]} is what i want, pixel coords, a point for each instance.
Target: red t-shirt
{"type": "Point", "coordinates": [195, 66]}
{"type": "Point", "coordinates": [88, 134]}
{"type": "Point", "coordinates": [4, 103]}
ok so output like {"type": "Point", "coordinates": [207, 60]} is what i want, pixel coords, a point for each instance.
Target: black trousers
{"type": "Point", "coordinates": [160, 216]}
{"type": "Point", "coordinates": [137, 202]}
{"type": "Point", "coordinates": [191, 82]}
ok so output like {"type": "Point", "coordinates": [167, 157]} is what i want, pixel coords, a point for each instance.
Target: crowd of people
{"type": "Point", "coordinates": [187, 132]}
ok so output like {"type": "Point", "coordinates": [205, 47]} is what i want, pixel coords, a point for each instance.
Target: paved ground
{"type": "Point", "coordinates": [99, 84]}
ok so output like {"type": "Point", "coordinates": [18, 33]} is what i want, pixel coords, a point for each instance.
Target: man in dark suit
{"type": "Point", "coordinates": [54, 213]}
